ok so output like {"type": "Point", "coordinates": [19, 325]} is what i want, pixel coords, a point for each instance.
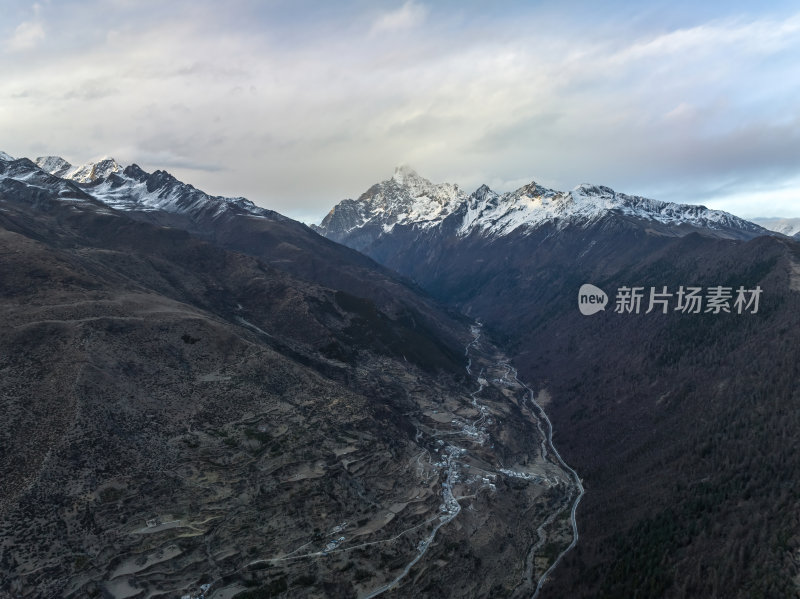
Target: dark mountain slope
{"type": "Point", "coordinates": [237, 224]}
{"type": "Point", "coordinates": [680, 424]}
{"type": "Point", "coordinates": [184, 419]}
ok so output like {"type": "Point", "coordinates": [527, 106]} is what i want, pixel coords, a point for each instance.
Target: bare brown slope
{"type": "Point", "coordinates": [180, 415]}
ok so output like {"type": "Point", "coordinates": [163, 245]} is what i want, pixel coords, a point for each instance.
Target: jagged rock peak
{"type": "Point", "coordinates": [588, 189]}
{"type": "Point", "coordinates": [92, 171]}
{"type": "Point", "coordinates": [134, 171]}
{"type": "Point", "coordinates": [412, 183]}
{"type": "Point", "coordinates": [55, 165]}
{"type": "Point", "coordinates": [533, 189]}
{"type": "Point", "coordinates": [482, 194]}
{"type": "Point", "coordinates": [483, 190]}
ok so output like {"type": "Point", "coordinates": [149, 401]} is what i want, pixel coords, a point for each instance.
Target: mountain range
{"type": "Point", "coordinates": [677, 420]}
{"type": "Point", "coordinates": [409, 200]}
{"type": "Point", "coordinates": [205, 398]}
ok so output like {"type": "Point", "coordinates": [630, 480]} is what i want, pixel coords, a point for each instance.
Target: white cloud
{"type": "Point", "coordinates": [408, 16]}
{"type": "Point", "coordinates": [781, 199]}
{"type": "Point", "coordinates": [336, 110]}
{"type": "Point", "coordinates": [26, 36]}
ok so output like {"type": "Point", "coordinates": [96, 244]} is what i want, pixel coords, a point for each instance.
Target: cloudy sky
{"type": "Point", "coordinates": [298, 104]}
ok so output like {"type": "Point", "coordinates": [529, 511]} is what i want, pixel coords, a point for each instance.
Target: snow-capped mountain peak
{"type": "Point", "coordinates": [405, 198]}
{"type": "Point", "coordinates": [55, 165]}
{"type": "Point", "coordinates": [411, 200]}
{"type": "Point", "coordinates": [408, 183]}
{"type": "Point", "coordinates": [92, 171]}
{"type": "Point", "coordinates": [5, 157]}
{"type": "Point", "coordinates": [86, 173]}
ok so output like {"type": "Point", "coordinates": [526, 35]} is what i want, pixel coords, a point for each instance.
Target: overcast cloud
{"type": "Point", "coordinates": [297, 105]}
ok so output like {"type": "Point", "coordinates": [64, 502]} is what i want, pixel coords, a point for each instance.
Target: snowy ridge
{"type": "Point", "coordinates": [134, 189]}
{"type": "Point", "coordinates": [405, 199]}
{"type": "Point", "coordinates": [533, 205]}
{"type": "Point", "coordinates": [408, 199]}
{"type": "Point", "coordinates": [28, 173]}
{"type": "Point", "coordinates": [86, 173]}
{"type": "Point", "coordinates": [128, 189]}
